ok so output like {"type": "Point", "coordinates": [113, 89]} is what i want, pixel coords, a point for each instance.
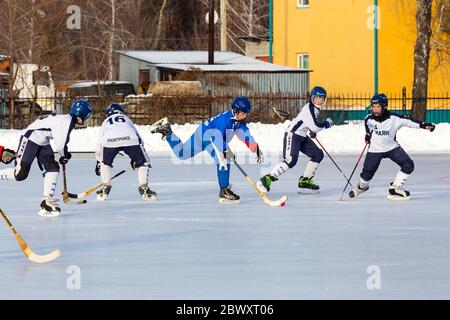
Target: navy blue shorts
{"type": "Point", "coordinates": [136, 153]}
{"type": "Point", "coordinates": [373, 160]}
{"type": "Point", "coordinates": [293, 144]}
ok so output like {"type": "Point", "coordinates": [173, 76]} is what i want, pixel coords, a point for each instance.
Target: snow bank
{"type": "Point", "coordinates": [344, 139]}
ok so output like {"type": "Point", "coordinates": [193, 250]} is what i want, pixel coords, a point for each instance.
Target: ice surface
{"type": "Point", "coordinates": [187, 246]}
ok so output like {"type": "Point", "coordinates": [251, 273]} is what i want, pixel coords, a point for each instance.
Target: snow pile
{"type": "Point", "coordinates": [344, 139]}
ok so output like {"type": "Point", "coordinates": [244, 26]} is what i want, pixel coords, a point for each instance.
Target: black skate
{"type": "Point", "coordinates": [49, 207]}
{"type": "Point", "coordinates": [398, 193]}
{"type": "Point", "coordinates": [103, 193]}
{"type": "Point", "coordinates": [307, 185]}
{"type": "Point", "coordinates": [146, 193]}
{"type": "Point", "coordinates": [357, 190]}
{"type": "Point", "coordinates": [265, 182]}
{"type": "Point", "coordinates": [161, 126]}
{"type": "Point", "coordinates": [226, 196]}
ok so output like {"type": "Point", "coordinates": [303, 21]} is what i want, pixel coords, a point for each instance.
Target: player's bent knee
{"type": "Point", "coordinates": [52, 165]}
{"type": "Point", "coordinates": [317, 157]}
{"type": "Point", "coordinates": [408, 167]}
{"type": "Point", "coordinates": [23, 173]}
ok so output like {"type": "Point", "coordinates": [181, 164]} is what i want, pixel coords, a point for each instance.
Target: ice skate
{"type": "Point", "coordinates": [147, 194]}
{"type": "Point", "coordinates": [398, 193]}
{"type": "Point", "coordinates": [358, 190]}
{"type": "Point", "coordinates": [103, 193]}
{"type": "Point", "coordinates": [307, 186]}
{"type": "Point", "coordinates": [161, 126]}
{"type": "Point", "coordinates": [49, 207]}
{"type": "Point", "coordinates": [226, 196]}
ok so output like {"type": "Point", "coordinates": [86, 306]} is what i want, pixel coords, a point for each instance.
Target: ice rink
{"type": "Point", "coordinates": [187, 246]}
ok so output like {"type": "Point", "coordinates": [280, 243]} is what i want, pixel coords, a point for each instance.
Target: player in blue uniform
{"type": "Point", "coordinates": [213, 136]}
{"type": "Point", "coordinates": [381, 130]}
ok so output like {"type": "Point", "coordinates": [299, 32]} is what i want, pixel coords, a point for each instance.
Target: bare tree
{"type": "Point", "coordinates": [421, 59]}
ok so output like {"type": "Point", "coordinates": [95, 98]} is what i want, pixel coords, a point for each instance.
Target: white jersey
{"type": "Point", "coordinates": [117, 131]}
{"type": "Point", "coordinates": [384, 132]}
{"type": "Point", "coordinates": [307, 119]}
{"type": "Point", "coordinates": [56, 128]}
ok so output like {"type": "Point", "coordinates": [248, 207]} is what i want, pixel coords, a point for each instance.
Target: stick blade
{"type": "Point", "coordinates": [36, 258]}
{"type": "Point", "coordinates": [68, 200]}
{"type": "Point", "coordinates": [276, 203]}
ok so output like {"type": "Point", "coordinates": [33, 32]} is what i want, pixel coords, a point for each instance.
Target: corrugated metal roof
{"type": "Point", "coordinates": [223, 61]}
{"type": "Point", "coordinates": [253, 67]}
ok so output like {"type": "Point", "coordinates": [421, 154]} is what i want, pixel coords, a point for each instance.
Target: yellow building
{"type": "Point", "coordinates": [335, 39]}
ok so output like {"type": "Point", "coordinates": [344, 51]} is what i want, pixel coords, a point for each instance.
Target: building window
{"type": "Point", "coordinates": [302, 3]}
{"type": "Point", "coordinates": [303, 61]}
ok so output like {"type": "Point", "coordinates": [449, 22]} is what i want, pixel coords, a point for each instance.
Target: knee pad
{"type": "Point", "coordinates": [318, 156]}
{"type": "Point", "coordinates": [23, 172]}
{"type": "Point", "coordinates": [408, 167]}
{"type": "Point", "coordinates": [51, 165]}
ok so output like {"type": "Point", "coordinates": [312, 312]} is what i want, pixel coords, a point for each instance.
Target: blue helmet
{"type": "Point", "coordinates": [114, 108]}
{"type": "Point", "coordinates": [82, 109]}
{"type": "Point", "coordinates": [381, 99]}
{"type": "Point", "coordinates": [318, 92]}
{"type": "Point", "coordinates": [241, 104]}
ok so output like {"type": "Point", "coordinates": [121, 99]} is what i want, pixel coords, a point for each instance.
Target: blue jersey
{"type": "Point", "coordinates": [225, 125]}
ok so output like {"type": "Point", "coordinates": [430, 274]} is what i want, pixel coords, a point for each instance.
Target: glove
{"type": "Point", "coordinates": [133, 164]}
{"type": "Point", "coordinates": [428, 126]}
{"type": "Point", "coordinates": [97, 168]}
{"type": "Point", "coordinates": [229, 155]}
{"type": "Point", "coordinates": [7, 156]}
{"type": "Point", "coordinates": [223, 163]}
{"type": "Point", "coordinates": [312, 134]}
{"type": "Point", "coordinates": [259, 155]}
{"type": "Point", "coordinates": [64, 159]}
{"type": "Point", "coordinates": [329, 123]}
{"type": "Point", "coordinates": [367, 138]}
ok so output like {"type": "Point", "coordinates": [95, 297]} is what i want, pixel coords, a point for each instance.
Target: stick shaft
{"type": "Point", "coordinates": [329, 156]}
{"type": "Point", "coordinates": [354, 169]}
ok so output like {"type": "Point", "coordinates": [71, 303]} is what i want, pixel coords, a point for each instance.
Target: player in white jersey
{"type": "Point", "coordinates": [35, 143]}
{"type": "Point", "coordinates": [118, 133]}
{"type": "Point", "coordinates": [296, 140]}
{"type": "Point", "coordinates": [381, 130]}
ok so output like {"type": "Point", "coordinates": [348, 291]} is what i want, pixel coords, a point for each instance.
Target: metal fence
{"type": "Point", "coordinates": [273, 108]}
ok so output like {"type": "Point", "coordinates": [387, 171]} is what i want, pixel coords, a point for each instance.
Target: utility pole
{"type": "Point", "coordinates": [223, 25]}
{"type": "Point", "coordinates": [271, 31]}
{"type": "Point", "coordinates": [375, 4]}
{"type": "Point", "coordinates": [211, 33]}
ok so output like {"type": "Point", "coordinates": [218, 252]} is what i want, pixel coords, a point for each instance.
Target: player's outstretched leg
{"type": "Point", "coordinates": [362, 186]}
{"type": "Point", "coordinates": [161, 126]}
{"type": "Point", "coordinates": [397, 188]}
{"type": "Point", "coordinates": [305, 182]}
